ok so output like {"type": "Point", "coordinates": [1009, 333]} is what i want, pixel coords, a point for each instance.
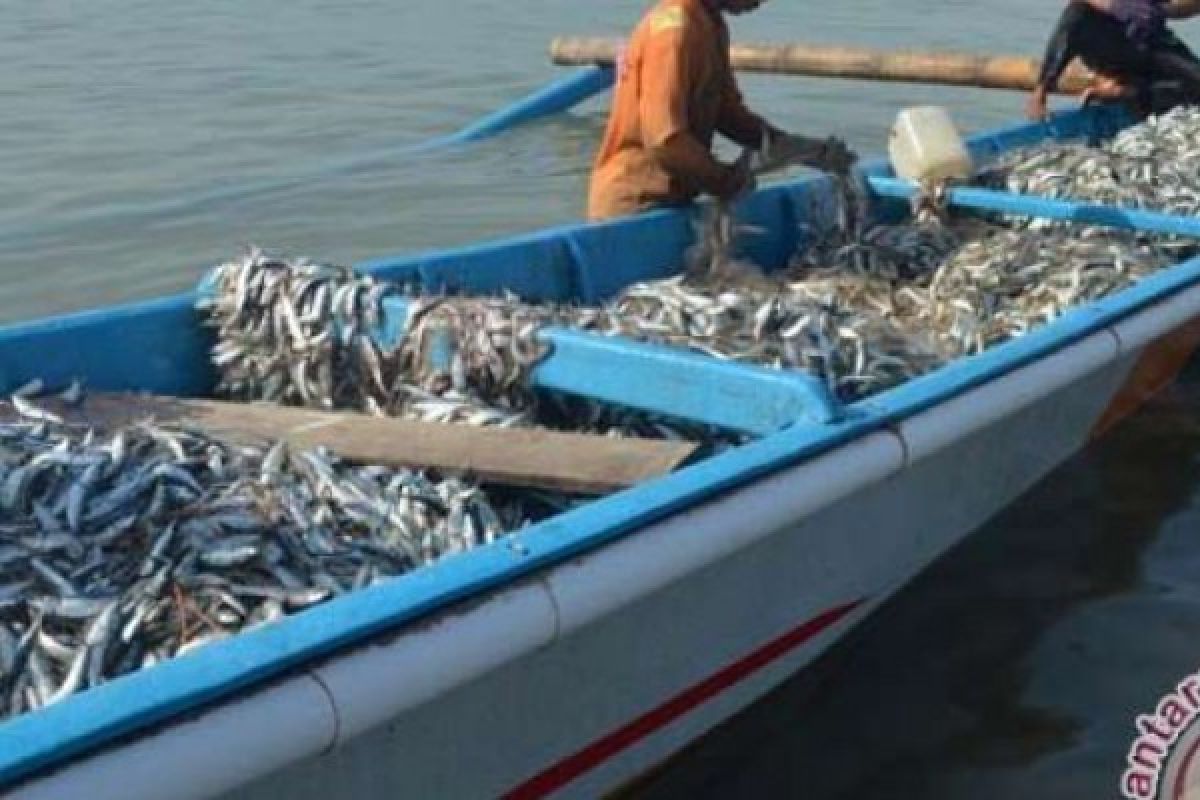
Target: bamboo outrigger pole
{"type": "Point", "coordinates": [951, 69]}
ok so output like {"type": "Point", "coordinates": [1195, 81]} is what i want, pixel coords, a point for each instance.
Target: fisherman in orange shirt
{"type": "Point", "coordinates": [675, 89]}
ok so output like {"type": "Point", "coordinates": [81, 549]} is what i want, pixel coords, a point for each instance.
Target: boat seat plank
{"type": "Point", "coordinates": [570, 462]}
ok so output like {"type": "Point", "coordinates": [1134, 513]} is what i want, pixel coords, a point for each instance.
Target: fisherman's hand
{"type": "Point", "coordinates": [836, 157]}
{"type": "Point", "coordinates": [782, 150]}
{"type": "Point", "coordinates": [827, 155]}
{"type": "Point", "coordinates": [1035, 108]}
{"type": "Point", "coordinates": [735, 180]}
{"type": "Point", "coordinates": [1103, 87]}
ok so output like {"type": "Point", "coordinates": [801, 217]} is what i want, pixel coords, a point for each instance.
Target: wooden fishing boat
{"type": "Point", "coordinates": [577, 654]}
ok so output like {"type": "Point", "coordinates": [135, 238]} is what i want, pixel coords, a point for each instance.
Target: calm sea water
{"type": "Point", "coordinates": [145, 141]}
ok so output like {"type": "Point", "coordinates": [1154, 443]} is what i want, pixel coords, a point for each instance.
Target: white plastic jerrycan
{"type": "Point", "coordinates": [925, 147]}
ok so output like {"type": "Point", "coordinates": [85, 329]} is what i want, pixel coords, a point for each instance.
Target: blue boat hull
{"type": "Point", "coordinates": [630, 625]}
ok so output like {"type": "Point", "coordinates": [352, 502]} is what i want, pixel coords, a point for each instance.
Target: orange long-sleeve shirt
{"type": "Point", "coordinates": [676, 79]}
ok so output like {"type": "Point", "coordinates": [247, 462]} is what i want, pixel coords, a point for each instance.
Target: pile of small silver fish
{"type": "Point", "coordinates": [300, 333]}
{"type": "Point", "coordinates": [948, 290]}
{"type": "Point", "coordinates": [909, 252]}
{"type": "Point", "coordinates": [122, 550]}
{"type": "Point", "coordinates": [1011, 281]}
{"type": "Point", "coordinates": [865, 312]}
{"type": "Point", "coordinates": [494, 345]}
{"type": "Point", "coordinates": [831, 326]}
{"type": "Point", "coordinates": [297, 333]}
{"type": "Point", "coordinates": [1153, 166]}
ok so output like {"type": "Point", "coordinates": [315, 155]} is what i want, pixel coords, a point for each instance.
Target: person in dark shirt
{"type": "Point", "coordinates": [1127, 44]}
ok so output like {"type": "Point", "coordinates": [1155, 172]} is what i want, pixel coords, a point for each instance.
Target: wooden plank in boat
{"type": "Point", "coordinates": [571, 462]}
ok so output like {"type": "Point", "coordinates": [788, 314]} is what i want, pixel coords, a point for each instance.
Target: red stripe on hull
{"type": "Point", "coordinates": [599, 751]}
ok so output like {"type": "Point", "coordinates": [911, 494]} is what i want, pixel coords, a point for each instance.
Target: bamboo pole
{"type": "Point", "coordinates": [857, 63]}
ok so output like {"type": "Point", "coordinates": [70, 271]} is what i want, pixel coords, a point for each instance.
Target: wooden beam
{"type": "Point", "coordinates": [859, 63]}
{"type": "Point", "coordinates": [569, 462]}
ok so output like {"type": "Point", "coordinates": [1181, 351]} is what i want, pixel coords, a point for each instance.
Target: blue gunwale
{"type": "Point", "coordinates": [100, 715]}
